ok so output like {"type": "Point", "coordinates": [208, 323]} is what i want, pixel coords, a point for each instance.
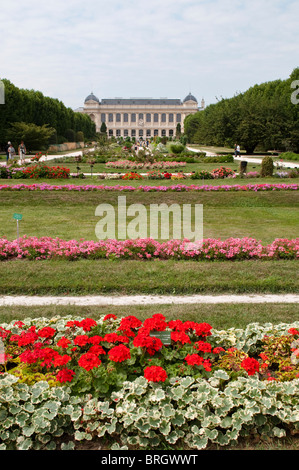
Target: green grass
{"type": "Point", "coordinates": [71, 215]}
{"type": "Point", "coordinates": [127, 277]}
{"type": "Point", "coordinates": [218, 315]}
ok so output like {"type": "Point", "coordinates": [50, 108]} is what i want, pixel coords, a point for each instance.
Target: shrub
{"type": "Point", "coordinates": [177, 148]}
{"type": "Point", "coordinates": [267, 166]}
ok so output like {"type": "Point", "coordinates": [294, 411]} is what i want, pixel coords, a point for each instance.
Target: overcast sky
{"type": "Point", "coordinates": [146, 48]}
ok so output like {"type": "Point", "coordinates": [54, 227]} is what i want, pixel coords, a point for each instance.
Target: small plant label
{"type": "Point", "coordinates": [164, 336]}
{"type": "Point", "coordinates": [17, 216]}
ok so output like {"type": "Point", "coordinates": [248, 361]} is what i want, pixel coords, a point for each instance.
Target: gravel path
{"type": "Point", "coordinates": [145, 299]}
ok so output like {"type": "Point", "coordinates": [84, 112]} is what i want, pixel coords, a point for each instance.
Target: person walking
{"type": "Point", "coordinates": [7, 152]}
{"type": "Point", "coordinates": [22, 151]}
{"type": "Point", "coordinates": [11, 152]}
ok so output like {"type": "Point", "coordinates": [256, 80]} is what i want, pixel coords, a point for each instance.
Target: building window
{"type": "Point", "coordinates": [133, 117]}
{"type": "Point", "coordinates": [126, 117]}
{"type": "Point", "coordinates": [117, 117]}
{"type": "Point", "coordinates": [110, 132]}
{"type": "Point", "coordinates": [117, 132]}
{"type": "Point", "coordinates": [178, 118]}
{"type": "Point", "coordinates": [103, 117]}
{"type": "Point", "coordinates": [163, 117]}
{"type": "Point", "coordinates": [126, 133]}
{"type": "Point", "coordinates": [148, 133]}
{"type": "Point", "coordinates": [148, 117]}
{"type": "Point", "coordinates": [156, 132]}
{"type": "Point", "coordinates": [170, 132]}
{"type": "Point", "coordinates": [170, 117]}
{"type": "Point", "coordinates": [140, 116]}
{"type": "Point", "coordinates": [163, 133]}
{"type": "Point", "coordinates": [133, 133]}
{"type": "Point", "coordinates": [140, 132]}
{"type": "Point", "coordinates": [110, 117]}
{"type": "Point", "coordinates": [156, 117]}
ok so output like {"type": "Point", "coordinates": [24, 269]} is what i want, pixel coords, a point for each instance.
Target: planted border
{"type": "Point", "coordinates": [35, 248]}
{"type": "Point", "coordinates": [199, 409]}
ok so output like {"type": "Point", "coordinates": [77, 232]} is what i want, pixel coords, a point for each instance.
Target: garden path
{"type": "Point", "coordinates": [146, 299]}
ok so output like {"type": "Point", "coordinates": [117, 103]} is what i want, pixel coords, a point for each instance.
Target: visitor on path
{"type": "Point", "coordinates": [22, 151]}
{"type": "Point", "coordinates": [238, 151]}
{"type": "Point", "coordinates": [235, 149]}
{"type": "Point", "coordinates": [7, 152]}
{"type": "Point", "coordinates": [11, 152]}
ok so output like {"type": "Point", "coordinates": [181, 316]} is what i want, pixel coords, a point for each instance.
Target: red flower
{"type": "Point", "coordinates": [115, 338]}
{"type": "Point", "coordinates": [87, 324]}
{"type": "Point", "coordinates": [81, 340]}
{"type": "Point", "coordinates": [194, 360]}
{"type": "Point", "coordinates": [65, 375]}
{"type": "Point", "coordinates": [119, 353]}
{"type": "Point", "coordinates": [63, 342]}
{"type": "Point", "coordinates": [61, 360]}
{"type": "Point", "coordinates": [88, 361]}
{"type": "Point", "coordinates": [250, 365]}
{"type": "Point", "coordinates": [155, 374]}
{"type": "Point", "coordinates": [203, 346]}
{"type": "Point", "coordinates": [95, 339]}
{"type": "Point", "coordinates": [293, 331]}
{"type": "Point", "coordinates": [156, 322]}
{"type": "Point", "coordinates": [203, 329]}
{"type": "Point", "coordinates": [110, 316]}
{"type": "Point", "coordinates": [46, 332]}
{"type": "Point", "coordinates": [151, 344]}
{"type": "Point", "coordinates": [97, 349]}
{"type": "Point", "coordinates": [180, 336]}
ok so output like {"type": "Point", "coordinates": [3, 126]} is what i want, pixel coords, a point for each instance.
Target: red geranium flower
{"type": "Point", "coordinates": [250, 365]}
{"type": "Point", "coordinates": [194, 360]}
{"type": "Point", "coordinates": [203, 346]}
{"type": "Point", "coordinates": [63, 342]}
{"type": "Point", "coordinates": [88, 361]}
{"type": "Point", "coordinates": [46, 332]}
{"type": "Point", "coordinates": [87, 324]}
{"type": "Point", "coordinates": [155, 374]}
{"type": "Point", "coordinates": [119, 353]}
{"type": "Point", "coordinates": [81, 340]}
{"type": "Point", "coordinates": [65, 375]}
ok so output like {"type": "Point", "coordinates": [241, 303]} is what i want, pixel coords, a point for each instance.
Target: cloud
{"type": "Point", "coordinates": [140, 48]}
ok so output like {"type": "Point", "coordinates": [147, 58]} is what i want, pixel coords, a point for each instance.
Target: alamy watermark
{"type": "Point", "coordinates": [157, 221]}
{"type": "Point", "coordinates": [295, 94]}
{"type": "Point", "coordinates": [2, 92]}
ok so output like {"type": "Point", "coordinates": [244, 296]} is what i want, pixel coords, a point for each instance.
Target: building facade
{"type": "Point", "coordinates": [140, 117]}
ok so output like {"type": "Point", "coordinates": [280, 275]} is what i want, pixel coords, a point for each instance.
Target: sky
{"type": "Point", "coordinates": [147, 48]}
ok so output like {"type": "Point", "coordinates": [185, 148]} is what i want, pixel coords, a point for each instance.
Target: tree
{"type": "Point", "coordinates": [35, 137]}
{"type": "Point", "coordinates": [103, 128]}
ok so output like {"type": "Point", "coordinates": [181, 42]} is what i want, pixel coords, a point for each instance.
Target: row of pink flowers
{"type": "Point", "coordinates": [146, 188]}
{"type": "Point", "coordinates": [135, 165]}
{"type": "Point", "coordinates": [148, 248]}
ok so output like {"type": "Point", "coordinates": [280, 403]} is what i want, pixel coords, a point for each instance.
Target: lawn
{"type": "Point", "coordinates": [71, 215]}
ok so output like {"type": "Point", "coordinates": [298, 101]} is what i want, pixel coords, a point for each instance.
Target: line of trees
{"type": "Point", "coordinates": [265, 117]}
{"type": "Point", "coordinates": [29, 109]}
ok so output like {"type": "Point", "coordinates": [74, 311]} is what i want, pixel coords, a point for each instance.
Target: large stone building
{"type": "Point", "coordinates": [140, 117]}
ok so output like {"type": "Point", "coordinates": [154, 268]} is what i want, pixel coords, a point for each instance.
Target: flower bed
{"type": "Point", "coordinates": [114, 376]}
{"type": "Point", "coordinates": [35, 248]}
{"type": "Point", "coordinates": [127, 164]}
{"type": "Point", "coordinates": [145, 188]}
{"type": "Point", "coordinates": [35, 172]}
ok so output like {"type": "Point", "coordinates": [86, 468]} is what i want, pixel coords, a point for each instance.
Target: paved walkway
{"type": "Point", "coordinates": [146, 300]}
{"type": "Point", "coordinates": [251, 159]}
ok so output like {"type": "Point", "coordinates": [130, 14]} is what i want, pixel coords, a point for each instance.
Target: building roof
{"type": "Point", "coordinates": [140, 101]}
{"type": "Point", "coordinates": [190, 98]}
{"type": "Point", "coordinates": [91, 97]}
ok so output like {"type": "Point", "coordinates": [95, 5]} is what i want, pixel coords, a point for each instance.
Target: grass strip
{"type": "Point", "coordinates": [218, 315]}
{"type": "Point", "coordinates": [127, 277]}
